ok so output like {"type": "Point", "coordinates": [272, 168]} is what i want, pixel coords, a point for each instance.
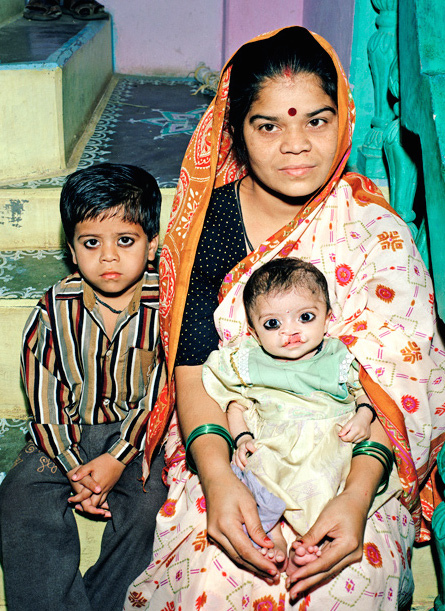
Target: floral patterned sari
{"type": "Point", "coordinates": [383, 310]}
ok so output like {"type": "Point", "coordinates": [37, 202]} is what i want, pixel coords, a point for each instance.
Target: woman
{"type": "Point", "coordinates": [287, 135]}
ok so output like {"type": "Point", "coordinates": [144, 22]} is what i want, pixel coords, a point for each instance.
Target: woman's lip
{"type": "Point", "coordinates": [297, 170]}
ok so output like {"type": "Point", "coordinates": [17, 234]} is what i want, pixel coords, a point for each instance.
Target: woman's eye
{"type": "Point", "coordinates": [307, 317]}
{"type": "Point", "coordinates": [267, 127]}
{"type": "Point", "coordinates": [125, 241]}
{"type": "Point", "coordinates": [317, 122]}
{"type": "Point", "coordinates": [272, 323]}
{"type": "Point", "coordinates": [91, 243]}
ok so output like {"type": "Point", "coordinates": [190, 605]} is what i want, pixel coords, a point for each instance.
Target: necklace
{"type": "Point", "coordinates": [238, 203]}
{"type": "Point", "coordinates": [107, 306]}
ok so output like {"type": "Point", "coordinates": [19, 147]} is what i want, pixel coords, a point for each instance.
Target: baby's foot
{"type": "Point", "coordinates": [278, 553]}
{"type": "Point", "coordinates": [300, 555]}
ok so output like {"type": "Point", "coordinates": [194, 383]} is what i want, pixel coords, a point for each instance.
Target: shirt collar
{"type": "Point", "coordinates": [145, 294]}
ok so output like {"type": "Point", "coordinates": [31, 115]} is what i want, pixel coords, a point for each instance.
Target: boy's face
{"type": "Point", "coordinates": [112, 254]}
{"type": "Point", "coordinates": [290, 325]}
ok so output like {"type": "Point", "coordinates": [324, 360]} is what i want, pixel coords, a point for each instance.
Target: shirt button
{"type": "Point", "coordinates": [106, 402]}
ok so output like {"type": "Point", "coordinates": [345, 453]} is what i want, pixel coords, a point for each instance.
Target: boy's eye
{"type": "Point", "coordinates": [91, 243]}
{"type": "Point", "coordinates": [125, 240]}
{"type": "Point", "coordinates": [307, 317]}
{"type": "Point", "coordinates": [272, 323]}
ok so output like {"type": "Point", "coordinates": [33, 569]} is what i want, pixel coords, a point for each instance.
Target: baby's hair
{"type": "Point", "coordinates": [92, 192]}
{"type": "Point", "coordinates": [281, 276]}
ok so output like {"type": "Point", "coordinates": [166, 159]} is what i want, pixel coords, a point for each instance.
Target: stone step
{"type": "Point", "coordinates": [52, 75]}
{"type": "Point", "coordinates": [10, 9]}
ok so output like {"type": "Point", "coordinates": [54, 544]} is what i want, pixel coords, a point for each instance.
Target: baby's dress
{"type": "Point", "coordinates": [295, 409]}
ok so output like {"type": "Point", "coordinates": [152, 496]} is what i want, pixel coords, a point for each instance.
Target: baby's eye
{"type": "Point", "coordinates": [307, 317]}
{"type": "Point", "coordinates": [272, 323]}
{"type": "Point", "coordinates": [91, 243]}
{"type": "Point", "coordinates": [125, 240]}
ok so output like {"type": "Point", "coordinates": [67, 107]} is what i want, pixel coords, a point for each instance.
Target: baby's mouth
{"type": "Point", "coordinates": [293, 339]}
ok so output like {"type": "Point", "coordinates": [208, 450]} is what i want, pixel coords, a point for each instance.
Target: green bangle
{"type": "Point", "coordinates": [205, 429]}
{"type": "Point", "coordinates": [382, 454]}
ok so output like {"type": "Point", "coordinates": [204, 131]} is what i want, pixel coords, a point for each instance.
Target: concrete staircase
{"type": "Point", "coordinates": [56, 83]}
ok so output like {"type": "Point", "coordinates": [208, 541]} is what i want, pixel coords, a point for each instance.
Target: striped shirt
{"type": "Point", "coordinates": [74, 375]}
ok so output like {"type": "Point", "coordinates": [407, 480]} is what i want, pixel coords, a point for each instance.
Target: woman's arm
{"type": "Point", "coordinates": [342, 522]}
{"type": "Point", "coordinates": [229, 503]}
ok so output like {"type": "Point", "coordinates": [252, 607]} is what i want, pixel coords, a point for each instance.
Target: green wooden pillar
{"type": "Point", "coordinates": [382, 49]}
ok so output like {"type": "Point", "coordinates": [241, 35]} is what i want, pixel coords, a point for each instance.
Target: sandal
{"type": "Point", "coordinates": [85, 10]}
{"type": "Point", "coordinates": [42, 10]}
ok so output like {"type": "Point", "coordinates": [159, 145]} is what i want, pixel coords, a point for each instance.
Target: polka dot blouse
{"type": "Point", "coordinates": [221, 247]}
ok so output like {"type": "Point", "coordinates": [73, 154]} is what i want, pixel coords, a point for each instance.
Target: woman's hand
{"type": "Point", "coordinates": [339, 532]}
{"type": "Point", "coordinates": [230, 505]}
{"type": "Point", "coordinates": [340, 527]}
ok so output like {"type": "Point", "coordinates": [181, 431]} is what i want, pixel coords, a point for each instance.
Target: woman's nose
{"type": "Point", "coordinates": [295, 140]}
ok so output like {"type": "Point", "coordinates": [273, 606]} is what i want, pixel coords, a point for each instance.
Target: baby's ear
{"type": "Point", "coordinates": [73, 254]}
{"type": "Point", "coordinates": [328, 318]}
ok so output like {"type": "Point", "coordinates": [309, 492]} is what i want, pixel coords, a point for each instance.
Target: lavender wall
{"type": "Point", "coordinates": [245, 19]}
{"type": "Point", "coordinates": [334, 20]}
{"type": "Point", "coordinates": [173, 36]}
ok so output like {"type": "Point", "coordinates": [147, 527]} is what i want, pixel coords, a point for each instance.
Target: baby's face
{"type": "Point", "coordinates": [290, 325]}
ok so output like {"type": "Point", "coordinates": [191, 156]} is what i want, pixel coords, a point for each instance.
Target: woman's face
{"type": "Point", "coordinates": [290, 133]}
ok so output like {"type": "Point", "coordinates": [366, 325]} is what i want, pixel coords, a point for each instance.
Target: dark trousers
{"type": "Point", "coordinates": [39, 541]}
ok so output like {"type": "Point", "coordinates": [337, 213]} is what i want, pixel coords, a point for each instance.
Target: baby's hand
{"type": "Point", "coordinates": [242, 453]}
{"type": "Point", "coordinates": [359, 427]}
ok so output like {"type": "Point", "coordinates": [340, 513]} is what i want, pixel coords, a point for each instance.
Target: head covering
{"type": "Point", "coordinates": [209, 163]}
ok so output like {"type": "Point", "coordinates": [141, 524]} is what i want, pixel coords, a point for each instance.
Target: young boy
{"type": "Point", "coordinates": [92, 368]}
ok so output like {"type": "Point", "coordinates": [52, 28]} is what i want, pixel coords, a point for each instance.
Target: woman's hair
{"type": "Point", "coordinates": [93, 192]}
{"type": "Point", "coordinates": [282, 276]}
{"type": "Point", "coordinates": [292, 51]}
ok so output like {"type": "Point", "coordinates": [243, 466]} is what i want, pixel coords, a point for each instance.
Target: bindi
{"type": "Point", "coordinates": [292, 112]}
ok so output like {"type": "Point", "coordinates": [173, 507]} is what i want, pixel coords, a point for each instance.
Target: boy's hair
{"type": "Point", "coordinates": [281, 276]}
{"type": "Point", "coordinates": [91, 192]}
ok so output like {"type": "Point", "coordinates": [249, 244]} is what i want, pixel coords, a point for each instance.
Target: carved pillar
{"type": "Point", "coordinates": [402, 170]}
{"type": "Point", "coordinates": [382, 49]}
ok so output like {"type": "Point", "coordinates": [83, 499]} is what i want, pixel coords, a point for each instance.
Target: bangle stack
{"type": "Point", "coordinates": [205, 429]}
{"type": "Point", "coordinates": [369, 406]}
{"type": "Point", "coordinates": [382, 454]}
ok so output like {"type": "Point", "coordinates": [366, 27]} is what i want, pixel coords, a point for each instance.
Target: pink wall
{"type": "Point", "coordinates": [245, 19]}
{"type": "Point", "coordinates": [166, 36]}
{"type": "Point", "coordinates": [173, 36]}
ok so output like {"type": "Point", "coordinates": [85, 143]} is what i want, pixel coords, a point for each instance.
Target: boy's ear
{"type": "Point", "coordinates": [73, 254]}
{"type": "Point", "coordinates": [153, 247]}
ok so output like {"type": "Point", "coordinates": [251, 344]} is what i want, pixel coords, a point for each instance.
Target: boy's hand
{"type": "Point", "coordinates": [359, 427]}
{"type": "Point", "coordinates": [242, 453]}
{"type": "Point", "coordinates": [92, 482]}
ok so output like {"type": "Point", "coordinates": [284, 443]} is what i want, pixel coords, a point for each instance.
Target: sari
{"type": "Point", "coordinates": [383, 310]}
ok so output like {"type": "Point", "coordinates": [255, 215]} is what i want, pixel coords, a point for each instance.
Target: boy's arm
{"type": "Point", "coordinates": [134, 427]}
{"type": "Point", "coordinates": [52, 428]}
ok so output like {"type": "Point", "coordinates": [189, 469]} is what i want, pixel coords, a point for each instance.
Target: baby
{"type": "Point", "coordinates": [293, 401]}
